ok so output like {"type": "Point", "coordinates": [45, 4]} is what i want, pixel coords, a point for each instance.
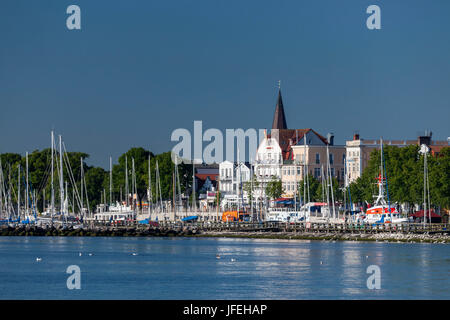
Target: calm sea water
{"type": "Point", "coordinates": [187, 268]}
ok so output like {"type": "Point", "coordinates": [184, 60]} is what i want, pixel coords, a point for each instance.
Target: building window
{"type": "Point", "coordinates": [332, 172]}
{"type": "Point", "coordinates": [298, 170]}
{"type": "Point", "coordinates": [343, 158]}
{"type": "Point", "coordinates": [331, 158]}
{"type": "Point", "coordinates": [317, 158]}
{"type": "Point", "coordinates": [316, 173]}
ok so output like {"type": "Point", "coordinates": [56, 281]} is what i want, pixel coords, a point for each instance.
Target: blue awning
{"type": "Point", "coordinates": [190, 218]}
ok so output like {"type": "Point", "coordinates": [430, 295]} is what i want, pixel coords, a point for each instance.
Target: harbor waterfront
{"type": "Point", "coordinates": [409, 232]}
{"type": "Point", "coordinates": [220, 268]}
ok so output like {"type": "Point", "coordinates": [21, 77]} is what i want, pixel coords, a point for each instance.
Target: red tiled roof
{"type": "Point", "coordinates": [290, 137]}
{"type": "Point", "coordinates": [436, 149]}
{"type": "Point", "coordinates": [203, 176]}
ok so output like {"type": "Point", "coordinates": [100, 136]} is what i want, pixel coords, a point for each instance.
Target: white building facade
{"type": "Point", "coordinates": [268, 163]}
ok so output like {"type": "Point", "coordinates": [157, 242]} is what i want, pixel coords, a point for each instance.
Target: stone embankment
{"type": "Point", "coordinates": [92, 232]}
{"type": "Point", "coordinates": [378, 237]}
{"type": "Point", "coordinates": [185, 231]}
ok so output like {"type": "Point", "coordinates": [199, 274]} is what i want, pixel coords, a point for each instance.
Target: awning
{"type": "Point", "coordinates": [419, 214]}
{"type": "Point", "coordinates": [189, 218]}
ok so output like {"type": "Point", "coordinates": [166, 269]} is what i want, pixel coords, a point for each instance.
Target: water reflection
{"type": "Point", "coordinates": [187, 268]}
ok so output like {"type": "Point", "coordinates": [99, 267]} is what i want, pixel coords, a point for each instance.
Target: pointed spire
{"type": "Point", "coordinates": [279, 118]}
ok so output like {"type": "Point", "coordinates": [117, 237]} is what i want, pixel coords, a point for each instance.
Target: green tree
{"type": "Point", "coordinates": [96, 178]}
{"type": "Point", "coordinates": [274, 188]}
{"type": "Point", "coordinates": [248, 187]}
{"type": "Point", "coordinates": [316, 191]}
{"type": "Point", "coordinates": [404, 170]}
{"type": "Point", "coordinates": [439, 178]}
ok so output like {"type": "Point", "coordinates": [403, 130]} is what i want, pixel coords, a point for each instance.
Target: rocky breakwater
{"type": "Point", "coordinates": [97, 231]}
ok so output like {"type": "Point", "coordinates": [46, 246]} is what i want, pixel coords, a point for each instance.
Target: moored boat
{"type": "Point", "coordinates": [382, 211]}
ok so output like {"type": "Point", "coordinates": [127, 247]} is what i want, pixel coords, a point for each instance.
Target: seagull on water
{"type": "Point", "coordinates": [38, 259]}
{"type": "Point", "coordinates": [134, 254]}
{"type": "Point", "coordinates": [217, 256]}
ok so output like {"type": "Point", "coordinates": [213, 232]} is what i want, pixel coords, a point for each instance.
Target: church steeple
{"type": "Point", "coordinates": [279, 119]}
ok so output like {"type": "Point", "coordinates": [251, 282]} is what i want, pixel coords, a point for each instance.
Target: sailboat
{"type": "Point", "coordinates": [116, 212]}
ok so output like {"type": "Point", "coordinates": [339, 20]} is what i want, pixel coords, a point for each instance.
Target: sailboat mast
{"type": "Point", "coordinates": [381, 168]}
{"type": "Point", "coordinates": [156, 186]}
{"type": "Point", "coordinates": [159, 184]}
{"type": "Point", "coordinates": [9, 191]}
{"type": "Point", "coordinates": [175, 190]}
{"type": "Point", "coordinates": [179, 199]}
{"type": "Point", "coordinates": [110, 181]}
{"type": "Point", "coordinates": [1, 189]}
{"type": "Point", "coordinates": [239, 181]}
{"type": "Point", "coordinates": [133, 183]}
{"type": "Point", "coordinates": [27, 191]}
{"type": "Point", "coordinates": [193, 185]}
{"type": "Point", "coordinates": [323, 182]}
{"type": "Point", "coordinates": [174, 195]}
{"type": "Point", "coordinates": [61, 182]}
{"type": "Point", "coordinates": [428, 190]}
{"type": "Point", "coordinates": [18, 193]}
{"type": "Point", "coordinates": [328, 184]}
{"type": "Point", "coordinates": [251, 190]}
{"type": "Point", "coordinates": [53, 189]}
{"type": "Point", "coordinates": [331, 183]}
{"type": "Point", "coordinates": [81, 187]}
{"type": "Point", "coordinates": [149, 197]}
{"type": "Point", "coordinates": [306, 186]}
{"type": "Point", "coordinates": [126, 179]}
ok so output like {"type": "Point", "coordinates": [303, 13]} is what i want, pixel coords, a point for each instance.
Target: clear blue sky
{"type": "Point", "coordinates": [140, 69]}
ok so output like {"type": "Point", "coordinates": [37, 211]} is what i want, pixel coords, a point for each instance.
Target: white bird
{"type": "Point", "coordinates": [134, 254]}
{"type": "Point", "coordinates": [80, 254]}
{"type": "Point", "coordinates": [38, 259]}
{"type": "Point", "coordinates": [321, 262]}
{"type": "Point", "coordinates": [217, 256]}
{"type": "Point", "coordinates": [90, 254]}
{"type": "Point", "coordinates": [233, 260]}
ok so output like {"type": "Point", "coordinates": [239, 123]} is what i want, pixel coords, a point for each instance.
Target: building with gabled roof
{"type": "Point", "coordinates": [276, 155]}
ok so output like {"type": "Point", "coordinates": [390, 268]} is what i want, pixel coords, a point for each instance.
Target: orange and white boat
{"type": "Point", "coordinates": [381, 211]}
